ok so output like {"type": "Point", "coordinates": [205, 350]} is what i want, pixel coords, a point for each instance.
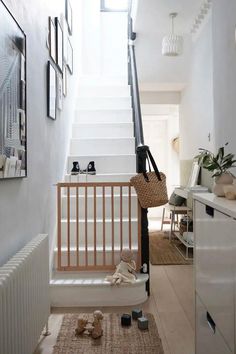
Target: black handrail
{"type": "Point", "coordinates": [141, 149]}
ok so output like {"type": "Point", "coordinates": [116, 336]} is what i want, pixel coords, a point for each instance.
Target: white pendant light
{"type": "Point", "coordinates": [172, 45]}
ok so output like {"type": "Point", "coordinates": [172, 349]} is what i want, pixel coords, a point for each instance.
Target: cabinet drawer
{"type": "Point", "coordinates": [208, 338]}
{"type": "Point", "coordinates": [215, 244]}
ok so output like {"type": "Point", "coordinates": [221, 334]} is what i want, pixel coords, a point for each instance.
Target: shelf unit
{"type": "Point", "coordinates": [186, 244]}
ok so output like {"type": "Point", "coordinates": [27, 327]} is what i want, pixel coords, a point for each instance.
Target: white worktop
{"type": "Point", "coordinates": [221, 204]}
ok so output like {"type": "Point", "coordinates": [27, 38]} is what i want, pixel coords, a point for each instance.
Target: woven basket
{"type": "Point", "coordinates": [151, 193]}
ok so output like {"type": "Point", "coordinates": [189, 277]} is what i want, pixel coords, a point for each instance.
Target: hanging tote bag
{"type": "Point", "coordinates": [150, 186]}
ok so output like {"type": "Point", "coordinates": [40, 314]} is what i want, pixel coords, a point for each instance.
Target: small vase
{"type": "Point", "coordinates": [220, 182]}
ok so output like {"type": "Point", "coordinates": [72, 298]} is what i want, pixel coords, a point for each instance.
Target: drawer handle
{"type": "Point", "coordinates": [210, 210]}
{"type": "Point", "coordinates": [211, 323]}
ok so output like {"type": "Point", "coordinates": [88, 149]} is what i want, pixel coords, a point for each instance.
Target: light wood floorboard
{"type": "Point", "coordinates": [171, 303]}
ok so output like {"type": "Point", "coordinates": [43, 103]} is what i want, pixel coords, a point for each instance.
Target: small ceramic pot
{"type": "Point", "coordinates": [221, 181]}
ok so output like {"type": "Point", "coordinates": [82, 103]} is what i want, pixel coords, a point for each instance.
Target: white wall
{"type": "Point", "coordinates": [197, 108]}
{"type": "Point", "coordinates": [28, 206]}
{"type": "Point", "coordinates": [104, 42]}
{"type": "Point", "coordinates": [224, 69]}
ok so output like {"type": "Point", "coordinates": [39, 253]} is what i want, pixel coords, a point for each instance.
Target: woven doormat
{"type": "Point", "coordinates": [163, 252]}
{"type": "Point", "coordinates": [115, 340]}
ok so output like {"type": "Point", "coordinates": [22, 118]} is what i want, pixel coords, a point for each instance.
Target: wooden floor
{"type": "Point", "coordinates": [171, 302]}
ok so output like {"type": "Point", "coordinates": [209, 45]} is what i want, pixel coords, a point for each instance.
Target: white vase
{"type": "Point", "coordinates": [220, 182]}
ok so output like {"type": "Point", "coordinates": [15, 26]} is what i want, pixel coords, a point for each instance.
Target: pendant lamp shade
{"type": "Point", "coordinates": [172, 45]}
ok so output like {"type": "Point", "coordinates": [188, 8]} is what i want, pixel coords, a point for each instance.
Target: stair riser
{"type": "Point", "coordinates": [103, 116]}
{"type": "Point", "coordinates": [99, 178]}
{"type": "Point", "coordinates": [76, 296]}
{"type": "Point", "coordinates": [105, 91]}
{"type": "Point", "coordinates": [106, 164]}
{"type": "Point", "coordinates": [99, 233]}
{"type": "Point", "coordinates": [104, 102]}
{"type": "Point", "coordinates": [99, 207]}
{"type": "Point", "coordinates": [102, 146]}
{"type": "Point", "coordinates": [102, 130]}
{"type": "Point", "coordinates": [82, 258]}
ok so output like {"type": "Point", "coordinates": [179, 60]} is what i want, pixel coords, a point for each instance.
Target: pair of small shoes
{"type": "Point", "coordinates": [90, 170]}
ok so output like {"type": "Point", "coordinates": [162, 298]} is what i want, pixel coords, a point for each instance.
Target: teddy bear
{"type": "Point", "coordinates": [81, 326]}
{"type": "Point", "coordinates": [125, 270]}
{"type": "Point", "coordinates": [97, 330]}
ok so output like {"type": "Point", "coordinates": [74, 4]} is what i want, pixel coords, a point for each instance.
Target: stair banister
{"type": "Point", "coordinates": [141, 148]}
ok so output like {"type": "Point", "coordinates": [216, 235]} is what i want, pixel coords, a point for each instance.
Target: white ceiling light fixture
{"type": "Point", "coordinates": [172, 45]}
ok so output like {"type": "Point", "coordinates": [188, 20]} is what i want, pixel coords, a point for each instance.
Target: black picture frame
{"type": "Point", "coordinates": [59, 44]}
{"type": "Point", "coordinates": [69, 56]}
{"type": "Point", "coordinates": [13, 97]}
{"type": "Point", "coordinates": [69, 15]}
{"type": "Point", "coordinates": [51, 91]}
{"type": "Point", "coordinates": [52, 39]}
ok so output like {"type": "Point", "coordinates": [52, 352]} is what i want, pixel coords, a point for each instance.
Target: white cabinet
{"type": "Point", "coordinates": [215, 269]}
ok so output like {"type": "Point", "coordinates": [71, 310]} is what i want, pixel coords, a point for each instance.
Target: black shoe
{"type": "Point", "coordinates": [90, 170]}
{"type": "Point", "coordinates": [75, 170]}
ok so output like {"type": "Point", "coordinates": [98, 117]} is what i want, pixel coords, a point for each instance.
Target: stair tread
{"type": "Point", "coordinates": [89, 279]}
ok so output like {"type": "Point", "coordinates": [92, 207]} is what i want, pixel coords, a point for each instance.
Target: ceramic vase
{"type": "Point", "coordinates": [220, 182]}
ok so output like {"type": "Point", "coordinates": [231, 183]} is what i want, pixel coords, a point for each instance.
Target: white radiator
{"type": "Point", "coordinates": [24, 297]}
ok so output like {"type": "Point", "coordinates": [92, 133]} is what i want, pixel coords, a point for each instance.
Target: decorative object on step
{"type": "Point", "coordinates": [75, 169]}
{"type": "Point", "coordinates": [93, 328]}
{"type": "Point", "coordinates": [126, 320]}
{"type": "Point", "coordinates": [90, 170]}
{"type": "Point", "coordinates": [115, 338]}
{"type": "Point", "coordinates": [172, 45]}
{"type": "Point", "coordinates": [219, 164]}
{"type": "Point", "coordinates": [125, 271]}
{"type": "Point", "coordinates": [13, 139]}
{"type": "Point", "coordinates": [150, 186]}
{"type": "Point", "coordinates": [185, 224]}
{"type": "Point", "coordinates": [143, 323]}
{"type": "Point", "coordinates": [51, 91]}
{"type": "Point", "coordinates": [136, 313]}
{"type": "Point", "coordinates": [164, 252]}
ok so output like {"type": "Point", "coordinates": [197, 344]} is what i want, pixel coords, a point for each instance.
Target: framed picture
{"type": "Point", "coordinates": [51, 91]}
{"type": "Point", "coordinates": [69, 16]}
{"type": "Point", "coordinates": [59, 44]}
{"type": "Point", "coordinates": [64, 81]}
{"type": "Point", "coordinates": [59, 91]}
{"type": "Point", "coordinates": [13, 98]}
{"type": "Point", "coordinates": [69, 56]}
{"type": "Point", "coordinates": [52, 40]}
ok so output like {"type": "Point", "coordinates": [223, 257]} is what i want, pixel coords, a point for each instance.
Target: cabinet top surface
{"type": "Point", "coordinates": [220, 203]}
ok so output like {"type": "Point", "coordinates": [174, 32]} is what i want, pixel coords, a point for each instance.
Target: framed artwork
{"type": "Point", "coordinates": [69, 15]}
{"type": "Point", "coordinates": [52, 40]}
{"type": "Point", "coordinates": [51, 91]}
{"type": "Point", "coordinates": [69, 56]}
{"type": "Point", "coordinates": [64, 81]}
{"type": "Point", "coordinates": [13, 115]}
{"type": "Point", "coordinates": [59, 44]}
{"type": "Point", "coordinates": [59, 91]}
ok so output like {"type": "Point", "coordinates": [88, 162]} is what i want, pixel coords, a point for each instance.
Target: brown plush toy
{"type": "Point", "coordinates": [125, 270]}
{"type": "Point", "coordinates": [81, 326]}
{"type": "Point", "coordinates": [97, 331]}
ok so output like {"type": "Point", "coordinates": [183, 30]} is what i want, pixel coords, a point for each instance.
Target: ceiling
{"type": "Point", "coordinates": [153, 15]}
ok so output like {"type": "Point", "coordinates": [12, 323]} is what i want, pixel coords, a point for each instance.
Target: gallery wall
{"type": "Point", "coordinates": [28, 205]}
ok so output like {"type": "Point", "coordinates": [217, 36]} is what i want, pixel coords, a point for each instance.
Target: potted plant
{"type": "Point", "coordinates": [219, 164]}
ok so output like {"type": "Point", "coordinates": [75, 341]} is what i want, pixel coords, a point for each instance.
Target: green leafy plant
{"type": "Point", "coordinates": [219, 163]}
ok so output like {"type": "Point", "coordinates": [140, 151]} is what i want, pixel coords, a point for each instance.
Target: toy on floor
{"type": "Point", "coordinates": [125, 270]}
{"type": "Point", "coordinates": [90, 328]}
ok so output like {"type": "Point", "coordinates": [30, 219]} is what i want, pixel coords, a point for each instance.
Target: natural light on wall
{"type": "Point", "coordinates": [115, 5]}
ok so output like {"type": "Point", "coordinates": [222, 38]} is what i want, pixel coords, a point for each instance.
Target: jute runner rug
{"type": "Point", "coordinates": [115, 340]}
{"type": "Point", "coordinates": [163, 252]}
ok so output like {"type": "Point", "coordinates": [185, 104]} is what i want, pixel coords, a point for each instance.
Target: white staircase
{"type": "Point", "coordinates": [102, 132]}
